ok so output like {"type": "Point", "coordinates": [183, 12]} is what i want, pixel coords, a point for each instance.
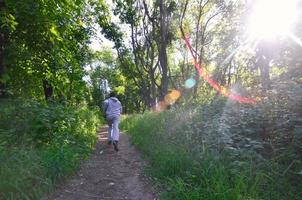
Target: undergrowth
{"type": "Point", "coordinates": [40, 144]}
{"type": "Point", "coordinates": [215, 152]}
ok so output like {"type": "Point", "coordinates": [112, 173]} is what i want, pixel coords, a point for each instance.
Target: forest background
{"type": "Point", "coordinates": [52, 84]}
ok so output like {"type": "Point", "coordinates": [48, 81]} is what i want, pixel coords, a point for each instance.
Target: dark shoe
{"type": "Point", "coordinates": [115, 145]}
{"type": "Point", "coordinates": [109, 142]}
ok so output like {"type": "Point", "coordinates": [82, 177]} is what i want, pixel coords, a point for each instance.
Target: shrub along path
{"type": "Point", "coordinates": [108, 175]}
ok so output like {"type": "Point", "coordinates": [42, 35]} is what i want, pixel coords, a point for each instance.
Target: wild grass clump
{"type": "Point", "coordinates": [219, 151]}
{"type": "Point", "coordinates": [41, 143]}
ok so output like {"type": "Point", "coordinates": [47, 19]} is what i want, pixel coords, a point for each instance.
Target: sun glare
{"type": "Point", "coordinates": [271, 18]}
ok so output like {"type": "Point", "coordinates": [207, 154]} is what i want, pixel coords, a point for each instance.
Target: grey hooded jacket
{"type": "Point", "coordinates": [112, 107]}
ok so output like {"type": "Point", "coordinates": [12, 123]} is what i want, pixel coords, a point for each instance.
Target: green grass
{"type": "Point", "coordinates": [21, 172]}
{"type": "Point", "coordinates": [189, 168]}
{"type": "Point", "coordinates": [40, 145]}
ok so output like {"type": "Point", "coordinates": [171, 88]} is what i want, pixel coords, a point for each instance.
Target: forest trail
{"type": "Point", "coordinates": [108, 175]}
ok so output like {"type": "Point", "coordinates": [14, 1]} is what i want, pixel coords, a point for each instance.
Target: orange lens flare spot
{"type": "Point", "coordinates": [172, 96]}
{"type": "Point", "coordinates": [258, 98]}
{"type": "Point", "coordinates": [223, 90]}
{"type": "Point", "coordinates": [169, 99]}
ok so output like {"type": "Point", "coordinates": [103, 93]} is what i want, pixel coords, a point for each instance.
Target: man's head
{"type": "Point", "coordinates": [112, 94]}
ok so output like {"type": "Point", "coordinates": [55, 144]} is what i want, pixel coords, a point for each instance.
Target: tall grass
{"type": "Point", "coordinates": [40, 144]}
{"type": "Point", "coordinates": [190, 156]}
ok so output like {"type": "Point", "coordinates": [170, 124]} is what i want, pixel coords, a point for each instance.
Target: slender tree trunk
{"type": "Point", "coordinates": [163, 60]}
{"type": "Point", "coordinates": [3, 42]}
{"type": "Point", "coordinates": [48, 90]}
{"type": "Point", "coordinates": [2, 67]}
{"type": "Point", "coordinates": [153, 89]}
{"type": "Point", "coordinates": [265, 54]}
{"type": "Point", "coordinates": [264, 70]}
{"type": "Point", "coordinates": [196, 77]}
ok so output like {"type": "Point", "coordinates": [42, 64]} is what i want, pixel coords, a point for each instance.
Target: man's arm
{"type": "Point", "coordinates": [121, 108]}
{"type": "Point", "coordinates": [105, 106]}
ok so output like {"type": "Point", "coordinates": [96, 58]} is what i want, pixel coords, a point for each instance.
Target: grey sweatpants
{"type": "Point", "coordinates": [113, 130]}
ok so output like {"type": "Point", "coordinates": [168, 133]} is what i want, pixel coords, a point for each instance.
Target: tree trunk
{"type": "Point", "coordinates": [264, 70]}
{"type": "Point", "coordinates": [2, 67]}
{"type": "Point", "coordinates": [265, 54]}
{"type": "Point", "coordinates": [163, 50]}
{"type": "Point", "coordinates": [153, 89]}
{"type": "Point", "coordinates": [3, 42]}
{"type": "Point", "coordinates": [48, 90]}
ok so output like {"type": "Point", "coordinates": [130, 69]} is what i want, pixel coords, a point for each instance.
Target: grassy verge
{"type": "Point", "coordinates": [191, 158]}
{"type": "Point", "coordinates": [40, 144]}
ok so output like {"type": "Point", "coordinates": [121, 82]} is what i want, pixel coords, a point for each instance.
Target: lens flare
{"type": "Point", "coordinates": [190, 83]}
{"type": "Point", "coordinates": [296, 39]}
{"type": "Point", "coordinates": [217, 87]}
{"type": "Point", "coordinates": [160, 106]}
{"type": "Point", "coordinates": [169, 99]}
{"type": "Point", "coordinates": [172, 96]}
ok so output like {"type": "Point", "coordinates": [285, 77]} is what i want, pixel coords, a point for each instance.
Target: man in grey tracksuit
{"type": "Point", "coordinates": [112, 107]}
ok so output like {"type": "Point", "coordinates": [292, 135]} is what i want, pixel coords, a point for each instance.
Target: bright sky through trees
{"type": "Point", "coordinates": [271, 18]}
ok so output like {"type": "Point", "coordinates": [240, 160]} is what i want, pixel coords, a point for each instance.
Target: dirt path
{"type": "Point", "coordinates": [108, 175]}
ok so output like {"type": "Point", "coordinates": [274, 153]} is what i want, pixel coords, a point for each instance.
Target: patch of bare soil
{"type": "Point", "coordinates": [108, 174]}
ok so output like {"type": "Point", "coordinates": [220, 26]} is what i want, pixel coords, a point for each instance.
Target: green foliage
{"type": "Point", "coordinates": [20, 171]}
{"type": "Point", "coordinates": [219, 151]}
{"type": "Point", "coordinates": [106, 67]}
{"type": "Point", "coordinates": [248, 151]}
{"type": "Point", "coordinates": [47, 42]}
{"type": "Point", "coordinates": [40, 144]}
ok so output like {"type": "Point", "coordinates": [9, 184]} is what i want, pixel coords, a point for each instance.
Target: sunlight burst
{"type": "Point", "coordinates": [271, 18]}
{"type": "Point", "coordinates": [296, 39]}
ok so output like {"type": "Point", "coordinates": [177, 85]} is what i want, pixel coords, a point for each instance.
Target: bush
{"type": "Point", "coordinates": [41, 143]}
{"type": "Point", "coordinates": [219, 151]}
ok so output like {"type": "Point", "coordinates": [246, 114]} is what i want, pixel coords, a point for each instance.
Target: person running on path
{"type": "Point", "coordinates": [112, 107]}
